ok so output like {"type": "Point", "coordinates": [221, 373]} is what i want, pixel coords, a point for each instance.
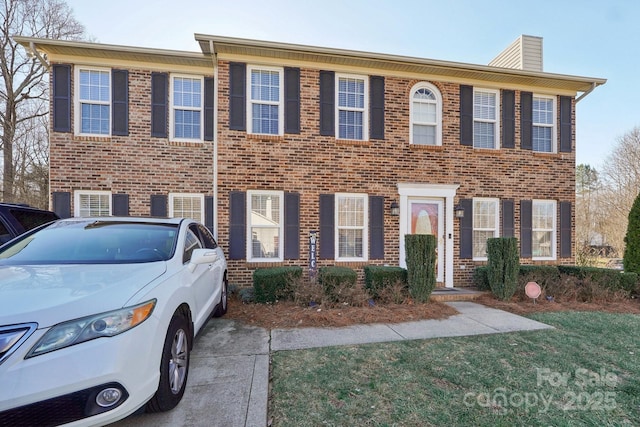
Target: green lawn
{"type": "Point", "coordinates": [586, 372]}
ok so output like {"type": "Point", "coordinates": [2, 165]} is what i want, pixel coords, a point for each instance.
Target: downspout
{"type": "Point", "coordinates": [34, 53]}
{"type": "Point", "coordinates": [214, 59]}
{"type": "Point", "coordinates": [593, 86]}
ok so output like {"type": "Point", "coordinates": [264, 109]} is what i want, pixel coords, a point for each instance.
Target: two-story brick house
{"type": "Point", "coordinates": [270, 144]}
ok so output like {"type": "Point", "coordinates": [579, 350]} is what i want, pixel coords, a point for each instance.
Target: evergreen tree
{"type": "Point", "coordinates": [631, 258]}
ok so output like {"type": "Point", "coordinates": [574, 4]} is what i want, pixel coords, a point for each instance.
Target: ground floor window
{"type": "Point", "coordinates": [543, 229]}
{"type": "Point", "coordinates": [187, 206]}
{"type": "Point", "coordinates": [265, 225]}
{"type": "Point", "coordinates": [486, 221]}
{"type": "Point", "coordinates": [351, 230]}
{"type": "Point", "coordinates": [92, 203]}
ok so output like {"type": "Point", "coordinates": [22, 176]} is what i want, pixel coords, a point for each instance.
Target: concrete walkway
{"type": "Point", "coordinates": [229, 377]}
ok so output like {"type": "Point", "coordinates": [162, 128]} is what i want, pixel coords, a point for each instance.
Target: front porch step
{"type": "Point", "coordinates": [454, 294]}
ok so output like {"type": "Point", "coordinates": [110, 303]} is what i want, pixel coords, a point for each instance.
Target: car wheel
{"type": "Point", "coordinates": [221, 307]}
{"type": "Point", "coordinates": [174, 366]}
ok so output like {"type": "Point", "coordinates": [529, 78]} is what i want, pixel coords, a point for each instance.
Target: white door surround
{"type": "Point", "coordinates": [444, 192]}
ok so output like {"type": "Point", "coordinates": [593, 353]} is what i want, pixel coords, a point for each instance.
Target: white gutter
{"type": "Point", "coordinates": [214, 59]}
{"type": "Point", "coordinates": [33, 52]}
{"type": "Point", "coordinates": [593, 86]}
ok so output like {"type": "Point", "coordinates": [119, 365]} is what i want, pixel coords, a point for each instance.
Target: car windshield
{"type": "Point", "coordinates": [94, 242]}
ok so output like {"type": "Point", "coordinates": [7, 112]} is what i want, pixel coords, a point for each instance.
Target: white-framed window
{"type": "Point", "coordinates": [426, 115]}
{"type": "Point", "coordinates": [352, 217]}
{"type": "Point", "coordinates": [486, 223]}
{"type": "Point", "coordinates": [544, 124]}
{"type": "Point", "coordinates": [265, 228]}
{"type": "Point", "coordinates": [187, 100]}
{"type": "Point", "coordinates": [486, 122]}
{"type": "Point", "coordinates": [187, 205]}
{"type": "Point", "coordinates": [543, 233]}
{"type": "Point", "coordinates": [265, 107]}
{"type": "Point", "coordinates": [91, 203]}
{"type": "Point", "coordinates": [352, 114]}
{"type": "Point", "coordinates": [93, 101]}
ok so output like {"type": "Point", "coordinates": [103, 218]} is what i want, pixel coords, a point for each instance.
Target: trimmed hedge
{"type": "Point", "coordinates": [277, 283]}
{"type": "Point", "coordinates": [336, 279]}
{"type": "Point", "coordinates": [503, 266]}
{"type": "Point", "coordinates": [377, 278]}
{"type": "Point", "coordinates": [421, 265]}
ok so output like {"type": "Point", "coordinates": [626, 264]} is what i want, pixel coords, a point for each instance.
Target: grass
{"type": "Point", "coordinates": [585, 372]}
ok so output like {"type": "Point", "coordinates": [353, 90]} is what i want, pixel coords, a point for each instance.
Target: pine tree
{"type": "Point", "coordinates": [631, 258]}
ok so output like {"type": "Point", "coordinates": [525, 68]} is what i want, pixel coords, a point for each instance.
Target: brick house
{"type": "Point", "coordinates": [273, 145]}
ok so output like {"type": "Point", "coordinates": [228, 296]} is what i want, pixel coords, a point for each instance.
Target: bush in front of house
{"type": "Point", "coordinates": [337, 282]}
{"type": "Point", "coordinates": [631, 258]}
{"type": "Point", "coordinates": [379, 280]}
{"type": "Point", "coordinates": [421, 265]}
{"type": "Point", "coordinates": [277, 283]}
{"type": "Point", "coordinates": [503, 266]}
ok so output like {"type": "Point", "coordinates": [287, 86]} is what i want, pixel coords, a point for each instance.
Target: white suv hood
{"type": "Point", "coordinates": [50, 294]}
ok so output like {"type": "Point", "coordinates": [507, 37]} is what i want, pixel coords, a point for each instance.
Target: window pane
{"type": "Point", "coordinates": [94, 118]}
{"type": "Point", "coordinates": [484, 105]}
{"type": "Point", "coordinates": [187, 92]}
{"type": "Point", "coordinates": [350, 243]}
{"type": "Point", "coordinates": [94, 204]}
{"type": "Point", "coordinates": [187, 124]}
{"type": "Point", "coordinates": [542, 111]}
{"type": "Point", "coordinates": [94, 85]}
{"type": "Point", "coordinates": [541, 139]}
{"type": "Point", "coordinates": [483, 135]}
{"type": "Point", "coordinates": [424, 134]}
{"type": "Point", "coordinates": [480, 243]}
{"type": "Point", "coordinates": [265, 225]}
{"type": "Point", "coordinates": [188, 207]}
{"type": "Point", "coordinates": [265, 119]}
{"type": "Point", "coordinates": [424, 112]}
{"type": "Point", "coordinates": [265, 85]}
{"type": "Point", "coordinates": [350, 211]}
{"type": "Point", "coordinates": [350, 92]}
{"type": "Point", "coordinates": [541, 244]}
{"type": "Point", "coordinates": [424, 94]}
{"type": "Point", "coordinates": [350, 124]}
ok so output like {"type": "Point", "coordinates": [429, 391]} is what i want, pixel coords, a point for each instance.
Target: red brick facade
{"type": "Point", "coordinates": [311, 165]}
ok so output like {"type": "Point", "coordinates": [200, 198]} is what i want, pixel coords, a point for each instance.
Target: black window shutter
{"type": "Point", "coordinates": [208, 108]}
{"type": "Point", "coordinates": [376, 101]}
{"type": "Point", "coordinates": [158, 205]}
{"type": "Point", "coordinates": [466, 229]}
{"type": "Point", "coordinates": [120, 204]}
{"type": "Point", "coordinates": [466, 115]}
{"type": "Point", "coordinates": [508, 225]}
{"type": "Point", "coordinates": [237, 94]}
{"type": "Point", "coordinates": [62, 203]}
{"type": "Point", "coordinates": [327, 105]}
{"type": "Point", "coordinates": [508, 119]}
{"type": "Point", "coordinates": [292, 100]}
{"type": "Point", "coordinates": [376, 227]}
{"type": "Point", "coordinates": [237, 225]}
{"type": "Point", "coordinates": [120, 102]}
{"type": "Point", "coordinates": [159, 101]}
{"type": "Point", "coordinates": [208, 212]}
{"type": "Point", "coordinates": [526, 120]}
{"type": "Point", "coordinates": [61, 98]}
{"type": "Point", "coordinates": [565, 230]}
{"type": "Point", "coordinates": [525, 228]}
{"type": "Point", "coordinates": [327, 226]}
{"type": "Point", "coordinates": [565, 124]}
{"type": "Point", "coordinates": [291, 225]}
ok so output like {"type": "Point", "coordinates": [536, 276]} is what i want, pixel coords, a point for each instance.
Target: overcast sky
{"type": "Point", "coordinates": [581, 37]}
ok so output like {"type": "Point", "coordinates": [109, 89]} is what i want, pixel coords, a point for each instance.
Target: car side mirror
{"type": "Point", "coordinates": [202, 256]}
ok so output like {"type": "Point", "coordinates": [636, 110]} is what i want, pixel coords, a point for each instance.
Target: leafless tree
{"type": "Point", "coordinates": [621, 179]}
{"type": "Point", "coordinates": [23, 89]}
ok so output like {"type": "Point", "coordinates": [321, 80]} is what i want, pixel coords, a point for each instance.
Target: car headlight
{"type": "Point", "coordinates": [87, 328]}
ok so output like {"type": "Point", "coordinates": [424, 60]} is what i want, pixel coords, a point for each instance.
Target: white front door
{"type": "Point", "coordinates": [428, 209]}
{"type": "Point", "coordinates": [426, 217]}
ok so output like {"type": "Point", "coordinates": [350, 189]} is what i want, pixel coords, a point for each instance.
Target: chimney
{"type": "Point", "coordinates": [523, 54]}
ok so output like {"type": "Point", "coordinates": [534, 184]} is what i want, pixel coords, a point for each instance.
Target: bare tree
{"type": "Point", "coordinates": [621, 178]}
{"type": "Point", "coordinates": [23, 85]}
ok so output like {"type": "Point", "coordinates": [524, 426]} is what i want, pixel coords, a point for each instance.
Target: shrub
{"type": "Point", "coordinates": [379, 278]}
{"type": "Point", "coordinates": [272, 284]}
{"type": "Point", "coordinates": [503, 266]}
{"type": "Point", "coordinates": [421, 265]}
{"type": "Point", "coordinates": [631, 258]}
{"type": "Point", "coordinates": [480, 278]}
{"type": "Point", "coordinates": [336, 281]}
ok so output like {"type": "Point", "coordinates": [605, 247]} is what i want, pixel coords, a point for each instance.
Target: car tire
{"type": "Point", "coordinates": [174, 366]}
{"type": "Point", "coordinates": [221, 307]}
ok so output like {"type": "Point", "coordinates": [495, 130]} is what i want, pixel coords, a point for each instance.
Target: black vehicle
{"type": "Point", "coordinates": [16, 219]}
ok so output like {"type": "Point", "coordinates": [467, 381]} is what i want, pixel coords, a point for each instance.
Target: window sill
{"type": "Point", "coordinates": [265, 137]}
{"type": "Point", "coordinates": [352, 142]}
{"type": "Point", "coordinates": [352, 264]}
{"type": "Point", "coordinates": [92, 138]}
{"type": "Point", "coordinates": [488, 151]}
{"type": "Point", "coordinates": [186, 143]}
{"type": "Point", "coordinates": [423, 147]}
{"type": "Point", "coordinates": [547, 155]}
{"type": "Point", "coordinates": [264, 264]}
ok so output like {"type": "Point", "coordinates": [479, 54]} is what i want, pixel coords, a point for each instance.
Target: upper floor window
{"type": "Point", "coordinates": [186, 108]}
{"type": "Point", "coordinates": [486, 221]}
{"type": "Point", "coordinates": [265, 226]}
{"type": "Point", "coordinates": [92, 203]}
{"type": "Point", "coordinates": [351, 113]}
{"type": "Point", "coordinates": [186, 206]}
{"type": "Point", "coordinates": [351, 227]}
{"type": "Point", "coordinates": [426, 115]}
{"type": "Point", "coordinates": [543, 115]}
{"type": "Point", "coordinates": [486, 128]}
{"type": "Point", "coordinates": [543, 220]}
{"type": "Point", "coordinates": [93, 107]}
{"type": "Point", "coordinates": [265, 107]}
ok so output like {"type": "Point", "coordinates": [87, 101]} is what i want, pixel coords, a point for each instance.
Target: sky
{"type": "Point", "coordinates": [580, 37]}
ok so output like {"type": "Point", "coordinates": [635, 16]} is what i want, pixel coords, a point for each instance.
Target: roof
{"type": "Point", "coordinates": [229, 47]}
